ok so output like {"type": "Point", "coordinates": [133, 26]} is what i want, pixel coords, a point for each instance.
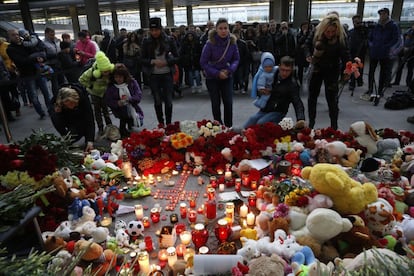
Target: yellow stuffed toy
{"type": "Point", "coordinates": [348, 195]}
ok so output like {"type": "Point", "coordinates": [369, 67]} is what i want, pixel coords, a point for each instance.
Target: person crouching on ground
{"type": "Point", "coordinates": [285, 90]}
{"type": "Point", "coordinates": [72, 114]}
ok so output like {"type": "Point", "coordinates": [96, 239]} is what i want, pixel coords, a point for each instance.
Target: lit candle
{"type": "Point", "coordinates": [183, 210]}
{"type": "Point", "coordinates": [221, 187]}
{"type": "Point", "coordinates": [155, 215]}
{"type": "Point", "coordinates": [143, 260]}
{"type": "Point", "coordinates": [230, 212]}
{"type": "Point", "coordinates": [180, 249]}
{"type": "Point", "coordinates": [227, 175]}
{"type": "Point", "coordinates": [106, 221]}
{"type": "Point", "coordinates": [250, 219]}
{"type": "Point", "coordinates": [252, 199]}
{"type": "Point", "coordinates": [148, 243]}
{"type": "Point", "coordinates": [192, 216]}
{"type": "Point", "coordinates": [296, 171]}
{"type": "Point", "coordinates": [185, 237]}
{"type": "Point", "coordinates": [146, 222]}
{"type": "Point", "coordinates": [174, 172]}
{"type": "Point", "coordinates": [243, 211]}
{"type": "Point", "coordinates": [192, 202]}
{"type": "Point", "coordinates": [237, 185]}
{"type": "Point", "coordinates": [253, 185]}
{"type": "Point", "coordinates": [139, 211]}
{"type": "Point", "coordinates": [172, 256]}
{"type": "Point", "coordinates": [162, 255]}
{"type": "Point", "coordinates": [200, 209]}
{"type": "Point", "coordinates": [213, 181]}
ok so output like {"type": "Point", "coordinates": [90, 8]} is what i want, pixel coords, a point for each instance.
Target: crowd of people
{"type": "Point", "coordinates": [107, 73]}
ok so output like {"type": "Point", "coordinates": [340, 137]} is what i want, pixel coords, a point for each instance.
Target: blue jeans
{"type": "Point", "coordinates": [264, 117]}
{"type": "Point", "coordinates": [193, 74]}
{"type": "Point", "coordinates": [221, 90]}
{"type": "Point", "coordinates": [162, 89]}
{"type": "Point", "coordinates": [31, 85]}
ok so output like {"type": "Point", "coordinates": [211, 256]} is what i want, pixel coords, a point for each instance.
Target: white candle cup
{"type": "Point", "coordinates": [243, 211]}
{"type": "Point", "coordinates": [250, 219]}
{"type": "Point", "coordinates": [139, 211]}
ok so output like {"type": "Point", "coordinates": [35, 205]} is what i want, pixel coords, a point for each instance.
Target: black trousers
{"type": "Point", "coordinates": [330, 78]}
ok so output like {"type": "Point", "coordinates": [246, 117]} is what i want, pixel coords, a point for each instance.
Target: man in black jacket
{"type": "Point", "coordinates": [285, 90]}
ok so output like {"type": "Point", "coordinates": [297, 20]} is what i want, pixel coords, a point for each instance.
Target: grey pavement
{"type": "Point", "coordinates": [197, 107]}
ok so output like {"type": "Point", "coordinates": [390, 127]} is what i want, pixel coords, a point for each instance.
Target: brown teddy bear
{"type": "Point", "coordinates": [103, 261]}
{"type": "Point", "coordinates": [267, 266]}
{"type": "Point", "coordinates": [355, 241]}
{"type": "Point", "coordinates": [54, 244]}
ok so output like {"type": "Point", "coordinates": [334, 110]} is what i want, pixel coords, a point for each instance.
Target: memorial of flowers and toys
{"type": "Point", "coordinates": [197, 198]}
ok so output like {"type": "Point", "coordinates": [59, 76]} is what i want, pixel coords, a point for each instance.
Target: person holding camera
{"type": "Point", "coordinates": [84, 48]}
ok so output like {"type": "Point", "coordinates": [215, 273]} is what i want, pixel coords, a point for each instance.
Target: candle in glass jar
{"type": "Point", "coordinates": [139, 211]}
{"type": "Point", "coordinates": [222, 230]}
{"type": "Point", "coordinates": [203, 250]}
{"type": "Point", "coordinates": [253, 185]}
{"type": "Point", "coordinates": [180, 250]}
{"type": "Point", "coordinates": [146, 222]}
{"type": "Point", "coordinates": [172, 256]}
{"type": "Point", "coordinates": [200, 209]}
{"type": "Point", "coordinates": [243, 211]}
{"type": "Point", "coordinates": [230, 212]}
{"type": "Point", "coordinates": [296, 171]}
{"type": "Point", "coordinates": [192, 202]}
{"type": "Point", "coordinates": [185, 237]}
{"type": "Point", "coordinates": [237, 185]}
{"type": "Point", "coordinates": [106, 221]}
{"type": "Point", "coordinates": [148, 243]}
{"type": "Point", "coordinates": [155, 215]}
{"type": "Point", "coordinates": [250, 219]}
{"type": "Point", "coordinates": [162, 255]}
{"type": "Point", "coordinates": [183, 210]}
{"type": "Point", "coordinates": [213, 181]}
{"type": "Point", "coordinates": [143, 260]}
{"type": "Point", "coordinates": [245, 179]}
{"type": "Point", "coordinates": [227, 175]}
{"type": "Point", "coordinates": [192, 216]}
{"type": "Point", "coordinates": [221, 187]}
{"type": "Point", "coordinates": [189, 252]}
{"type": "Point", "coordinates": [252, 200]}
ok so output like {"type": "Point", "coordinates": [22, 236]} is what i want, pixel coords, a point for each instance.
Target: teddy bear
{"type": "Point", "coordinates": [387, 148]}
{"type": "Point", "coordinates": [379, 217]}
{"type": "Point", "coordinates": [249, 249]}
{"type": "Point", "coordinates": [53, 243]}
{"type": "Point", "coordinates": [356, 240]}
{"type": "Point", "coordinates": [102, 261]}
{"type": "Point", "coordinates": [348, 195]}
{"type": "Point", "coordinates": [60, 262]}
{"type": "Point", "coordinates": [365, 135]}
{"type": "Point", "coordinates": [314, 269]}
{"type": "Point", "coordinates": [122, 238]}
{"type": "Point", "coordinates": [100, 235]}
{"type": "Point", "coordinates": [347, 157]}
{"type": "Point", "coordinates": [267, 266]}
{"type": "Point", "coordinates": [323, 224]}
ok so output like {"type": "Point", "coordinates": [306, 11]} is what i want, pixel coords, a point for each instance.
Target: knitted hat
{"type": "Point", "coordinates": [268, 62]}
{"type": "Point", "coordinates": [155, 22]}
{"type": "Point", "coordinates": [102, 64]}
{"type": "Point", "coordinates": [369, 165]}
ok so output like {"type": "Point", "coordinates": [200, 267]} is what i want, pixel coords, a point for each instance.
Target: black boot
{"type": "Point", "coordinates": [168, 114]}
{"type": "Point", "coordinates": [160, 115]}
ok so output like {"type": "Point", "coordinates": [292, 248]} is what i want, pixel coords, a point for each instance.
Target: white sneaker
{"type": "Point", "coordinates": [199, 88]}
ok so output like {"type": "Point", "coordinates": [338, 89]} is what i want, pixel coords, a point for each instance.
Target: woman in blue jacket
{"type": "Point", "coordinates": [219, 60]}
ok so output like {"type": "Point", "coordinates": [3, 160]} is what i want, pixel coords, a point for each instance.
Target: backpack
{"type": "Point", "coordinates": [400, 100]}
{"type": "Point", "coordinates": [87, 65]}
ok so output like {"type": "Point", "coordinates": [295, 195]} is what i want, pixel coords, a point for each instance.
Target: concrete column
{"type": "Point", "coordinates": [300, 12]}
{"type": "Point", "coordinates": [360, 8]}
{"type": "Point", "coordinates": [26, 16]}
{"type": "Point", "coordinates": [189, 14]}
{"type": "Point", "coordinates": [144, 13]}
{"type": "Point", "coordinates": [279, 10]}
{"type": "Point", "coordinates": [92, 15]}
{"type": "Point", "coordinates": [169, 6]}
{"type": "Point", "coordinates": [75, 21]}
{"type": "Point", "coordinates": [115, 22]}
{"type": "Point", "coordinates": [396, 10]}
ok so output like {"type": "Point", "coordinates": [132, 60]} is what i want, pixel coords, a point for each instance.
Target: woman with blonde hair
{"type": "Point", "coordinates": [327, 50]}
{"type": "Point", "coordinates": [72, 114]}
